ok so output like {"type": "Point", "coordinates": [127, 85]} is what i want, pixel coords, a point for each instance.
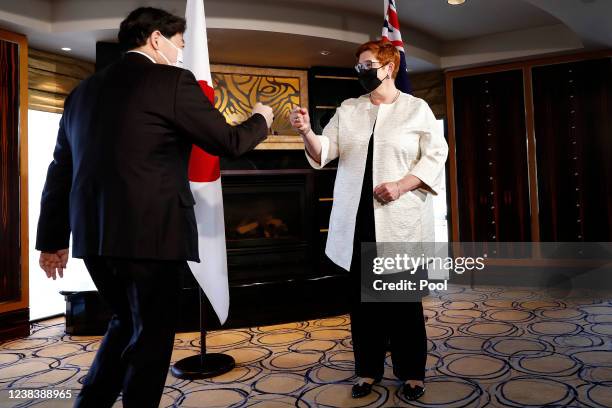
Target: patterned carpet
{"type": "Point", "coordinates": [487, 347]}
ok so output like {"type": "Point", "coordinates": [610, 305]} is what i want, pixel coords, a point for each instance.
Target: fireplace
{"type": "Point", "coordinates": [269, 220]}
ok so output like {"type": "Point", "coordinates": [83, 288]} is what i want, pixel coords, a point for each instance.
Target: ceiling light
{"type": "Point", "coordinates": [325, 52]}
{"type": "Point", "coordinates": [66, 49]}
{"type": "Point", "coordinates": [455, 2]}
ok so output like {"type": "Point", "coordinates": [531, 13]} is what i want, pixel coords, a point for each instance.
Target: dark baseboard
{"type": "Point", "coordinates": [266, 303]}
{"type": "Point", "coordinates": [15, 324]}
{"type": "Point", "coordinates": [543, 278]}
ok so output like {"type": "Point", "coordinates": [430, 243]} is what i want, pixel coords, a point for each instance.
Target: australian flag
{"type": "Point", "coordinates": [391, 32]}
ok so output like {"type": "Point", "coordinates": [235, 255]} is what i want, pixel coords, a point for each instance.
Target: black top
{"type": "Point", "coordinates": [364, 224]}
{"type": "Point", "coordinates": [118, 180]}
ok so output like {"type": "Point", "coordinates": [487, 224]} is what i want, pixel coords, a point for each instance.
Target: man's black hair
{"type": "Point", "coordinates": [140, 23]}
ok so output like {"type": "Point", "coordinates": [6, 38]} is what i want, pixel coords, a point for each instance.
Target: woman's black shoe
{"type": "Point", "coordinates": [413, 393]}
{"type": "Point", "coordinates": [362, 389]}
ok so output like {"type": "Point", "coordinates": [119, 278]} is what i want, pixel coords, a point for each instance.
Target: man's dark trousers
{"type": "Point", "coordinates": [134, 355]}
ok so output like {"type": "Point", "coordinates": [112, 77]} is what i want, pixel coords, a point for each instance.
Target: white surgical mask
{"type": "Point", "coordinates": [179, 55]}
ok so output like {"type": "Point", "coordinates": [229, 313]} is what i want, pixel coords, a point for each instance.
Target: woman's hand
{"type": "Point", "coordinates": [300, 120]}
{"type": "Point", "coordinates": [386, 192]}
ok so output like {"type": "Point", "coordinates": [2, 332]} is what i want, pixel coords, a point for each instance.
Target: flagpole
{"type": "Point", "coordinates": [204, 177]}
{"type": "Point", "coordinates": [204, 365]}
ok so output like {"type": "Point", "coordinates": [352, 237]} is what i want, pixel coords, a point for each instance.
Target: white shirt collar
{"type": "Point", "coordinates": [142, 53]}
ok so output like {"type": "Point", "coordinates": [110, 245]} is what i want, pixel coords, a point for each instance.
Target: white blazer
{"type": "Point", "coordinates": [407, 140]}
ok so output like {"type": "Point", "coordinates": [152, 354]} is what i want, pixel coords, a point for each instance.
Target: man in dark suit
{"type": "Point", "coordinates": [119, 183]}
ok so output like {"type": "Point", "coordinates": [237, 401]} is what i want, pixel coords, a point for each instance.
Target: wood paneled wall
{"type": "Point", "coordinates": [564, 103]}
{"type": "Point", "coordinates": [52, 77]}
{"type": "Point", "coordinates": [14, 300]}
{"type": "Point", "coordinates": [430, 87]}
{"type": "Point", "coordinates": [9, 169]}
{"type": "Point", "coordinates": [573, 130]}
{"type": "Point", "coordinates": [36, 80]}
{"type": "Point", "coordinates": [491, 151]}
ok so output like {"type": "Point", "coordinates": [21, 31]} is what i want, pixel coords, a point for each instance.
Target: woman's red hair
{"type": "Point", "coordinates": [384, 51]}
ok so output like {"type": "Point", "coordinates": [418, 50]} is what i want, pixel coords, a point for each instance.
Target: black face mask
{"type": "Point", "coordinates": [369, 79]}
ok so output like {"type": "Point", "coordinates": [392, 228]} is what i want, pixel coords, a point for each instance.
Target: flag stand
{"type": "Point", "coordinates": [204, 365]}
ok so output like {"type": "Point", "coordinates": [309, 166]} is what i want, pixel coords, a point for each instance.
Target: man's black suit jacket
{"type": "Point", "coordinates": [118, 180]}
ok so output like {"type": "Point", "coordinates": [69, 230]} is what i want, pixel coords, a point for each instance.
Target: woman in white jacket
{"type": "Point", "coordinates": [391, 156]}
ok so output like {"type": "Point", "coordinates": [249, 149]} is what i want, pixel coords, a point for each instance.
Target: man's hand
{"type": "Point", "coordinates": [265, 111]}
{"type": "Point", "coordinates": [54, 263]}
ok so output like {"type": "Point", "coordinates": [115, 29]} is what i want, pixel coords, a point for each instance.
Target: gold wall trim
{"type": "Point", "coordinates": [335, 77]}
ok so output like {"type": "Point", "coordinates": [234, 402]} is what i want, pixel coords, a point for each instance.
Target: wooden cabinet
{"type": "Point", "coordinates": [573, 132]}
{"type": "Point", "coordinates": [531, 150]}
{"type": "Point", "coordinates": [491, 157]}
{"type": "Point", "coordinates": [14, 312]}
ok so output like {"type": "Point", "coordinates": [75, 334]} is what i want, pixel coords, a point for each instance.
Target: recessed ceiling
{"type": "Point", "coordinates": [284, 33]}
{"type": "Point", "coordinates": [444, 22]}
{"type": "Point", "coordinates": [286, 50]}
